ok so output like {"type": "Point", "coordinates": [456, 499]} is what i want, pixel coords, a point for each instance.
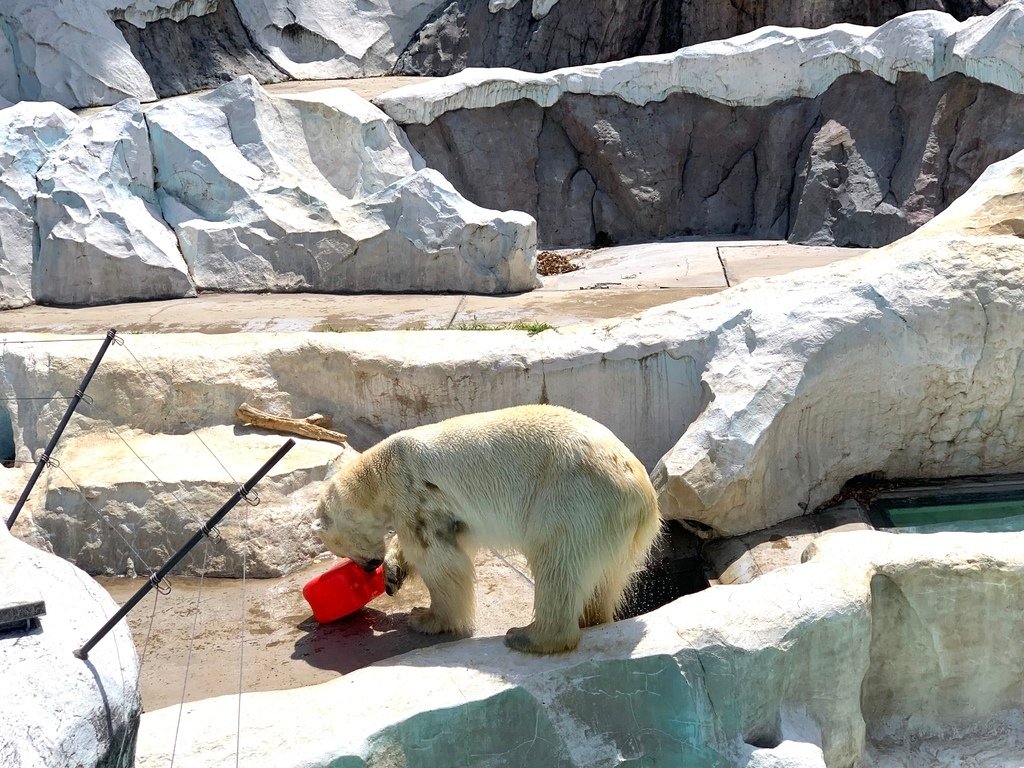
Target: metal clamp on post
{"type": "Point", "coordinates": [161, 585]}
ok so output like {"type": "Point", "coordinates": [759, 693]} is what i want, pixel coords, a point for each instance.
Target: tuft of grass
{"type": "Point", "coordinates": [532, 327]}
{"type": "Point", "coordinates": [331, 328]}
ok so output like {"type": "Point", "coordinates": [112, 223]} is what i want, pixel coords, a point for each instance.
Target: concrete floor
{"type": "Point", "coordinates": [284, 647]}
{"type": "Point", "coordinates": [613, 282]}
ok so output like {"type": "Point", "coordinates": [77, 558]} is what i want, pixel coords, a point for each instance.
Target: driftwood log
{"type": "Point", "coordinates": [314, 427]}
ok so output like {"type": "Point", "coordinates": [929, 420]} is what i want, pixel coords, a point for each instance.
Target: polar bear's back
{"type": "Point", "coordinates": [518, 472]}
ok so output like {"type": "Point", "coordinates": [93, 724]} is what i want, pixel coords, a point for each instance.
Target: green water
{"type": "Point", "coordinates": [982, 516]}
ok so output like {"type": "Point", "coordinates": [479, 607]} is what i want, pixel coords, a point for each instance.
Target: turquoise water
{"type": "Point", "coordinates": [981, 516]}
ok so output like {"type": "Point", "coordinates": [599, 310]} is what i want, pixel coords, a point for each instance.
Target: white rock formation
{"type": "Point", "coordinates": [69, 52]}
{"type": "Point", "coordinates": [322, 192]}
{"type": "Point", "coordinates": [131, 495]}
{"type": "Point", "coordinates": [101, 237]}
{"type": "Point", "coordinates": [321, 39]}
{"type": "Point", "coordinates": [904, 362]}
{"type": "Point", "coordinates": [56, 709]}
{"type": "Point", "coordinates": [28, 132]}
{"type": "Point", "coordinates": [803, 667]}
{"type": "Point", "coordinates": [768, 65]}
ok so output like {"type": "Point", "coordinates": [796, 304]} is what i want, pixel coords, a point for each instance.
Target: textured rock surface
{"type": "Point", "coordinates": [101, 237]}
{"type": "Point", "coordinates": [802, 667]}
{"type": "Point", "coordinates": [68, 52]}
{"type": "Point", "coordinates": [536, 37]}
{"type": "Point", "coordinates": [903, 362]}
{"type": "Point", "coordinates": [127, 502]}
{"type": "Point", "coordinates": [925, 333]}
{"type": "Point", "coordinates": [848, 135]}
{"type": "Point", "coordinates": [188, 52]}
{"type": "Point", "coordinates": [783, 433]}
{"type": "Point", "coordinates": [860, 165]}
{"type": "Point", "coordinates": [316, 39]}
{"type": "Point", "coordinates": [55, 708]}
{"type": "Point", "coordinates": [28, 132]}
{"type": "Point", "coordinates": [321, 192]}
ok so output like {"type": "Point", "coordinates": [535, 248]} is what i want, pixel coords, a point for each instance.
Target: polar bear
{"type": "Point", "coordinates": [542, 480]}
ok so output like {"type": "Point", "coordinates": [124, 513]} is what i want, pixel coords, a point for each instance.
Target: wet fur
{"type": "Point", "coordinates": [545, 481]}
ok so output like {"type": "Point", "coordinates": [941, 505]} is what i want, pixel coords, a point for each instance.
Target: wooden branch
{"type": "Point", "coordinates": [314, 427]}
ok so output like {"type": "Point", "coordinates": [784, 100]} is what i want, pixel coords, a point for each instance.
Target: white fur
{"type": "Point", "coordinates": [543, 480]}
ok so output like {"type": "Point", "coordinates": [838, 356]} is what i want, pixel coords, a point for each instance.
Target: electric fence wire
{"type": "Point", "coordinates": [191, 644]}
{"type": "Point", "coordinates": [192, 428]}
{"type": "Point", "coordinates": [149, 631]}
{"type": "Point", "coordinates": [241, 642]}
{"type": "Point", "coordinates": [245, 549]}
{"type": "Point", "coordinates": [177, 486]}
{"type": "Point", "coordinates": [102, 518]}
{"type": "Point", "coordinates": [70, 340]}
{"type": "Point", "coordinates": [522, 575]}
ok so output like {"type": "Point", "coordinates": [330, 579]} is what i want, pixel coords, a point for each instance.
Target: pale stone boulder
{"type": "Point", "coordinates": [101, 236]}
{"type": "Point", "coordinates": [68, 52]}
{"type": "Point", "coordinates": [717, 679]}
{"type": "Point", "coordinates": [57, 709]}
{"type": "Point", "coordinates": [28, 132]}
{"type": "Point", "coordinates": [904, 363]}
{"type": "Point", "coordinates": [322, 193]}
{"type": "Point", "coordinates": [990, 48]}
{"type": "Point", "coordinates": [321, 39]}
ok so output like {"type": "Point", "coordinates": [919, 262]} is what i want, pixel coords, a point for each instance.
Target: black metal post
{"type": "Point", "coordinates": [83, 652]}
{"type": "Point", "coordinates": [45, 456]}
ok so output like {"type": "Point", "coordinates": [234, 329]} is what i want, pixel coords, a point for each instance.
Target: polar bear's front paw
{"type": "Point", "coordinates": [426, 622]}
{"type": "Point", "coordinates": [394, 576]}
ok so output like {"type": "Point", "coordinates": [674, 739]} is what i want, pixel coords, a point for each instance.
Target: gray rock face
{"type": "Point", "coordinates": [68, 52]}
{"type": "Point", "coordinates": [861, 165]}
{"type": "Point", "coordinates": [198, 52]}
{"type": "Point", "coordinates": [466, 33]}
{"type": "Point", "coordinates": [28, 131]}
{"type": "Point", "coordinates": [101, 236]}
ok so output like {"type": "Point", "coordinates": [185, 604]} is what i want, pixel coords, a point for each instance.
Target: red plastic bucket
{"type": "Point", "coordinates": [342, 589]}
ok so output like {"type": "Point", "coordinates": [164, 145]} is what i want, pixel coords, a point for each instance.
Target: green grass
{"type": "Point", "coordinates": [532, 327]}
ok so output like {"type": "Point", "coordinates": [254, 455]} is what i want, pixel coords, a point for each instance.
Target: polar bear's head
{"type": "Point", "coordinates": [348, 520]}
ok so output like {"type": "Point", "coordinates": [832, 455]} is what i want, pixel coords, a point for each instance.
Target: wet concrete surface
{"type": "Point", "coordinates": [279, 645]}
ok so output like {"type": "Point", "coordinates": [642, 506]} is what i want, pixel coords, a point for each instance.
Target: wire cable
{"type": "Point", "coordinates": [191, 644]}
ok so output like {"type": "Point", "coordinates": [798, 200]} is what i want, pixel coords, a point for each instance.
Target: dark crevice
{"type": "Point", "coordinates": [198, 52]}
